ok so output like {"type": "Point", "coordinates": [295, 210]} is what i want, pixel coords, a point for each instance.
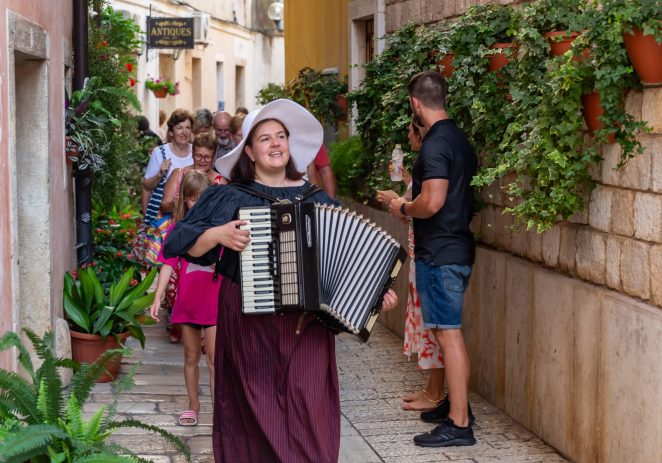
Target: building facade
{"type": "Point", "coordinates": [238, 50]}
{"type": "Point", "coordinates": [36, 216]}
{"type": "Point", "coordinates": [316, 37]}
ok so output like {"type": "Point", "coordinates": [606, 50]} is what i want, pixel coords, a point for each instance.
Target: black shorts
{"type": "Point", "coordinates": [197, 327]}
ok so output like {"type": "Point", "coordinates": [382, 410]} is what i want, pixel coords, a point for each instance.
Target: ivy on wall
{"type": "Point", "coordinates": [525, 120]}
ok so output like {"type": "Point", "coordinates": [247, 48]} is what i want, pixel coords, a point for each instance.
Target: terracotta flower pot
{"type": "Point", "coordinates": [445, 65]}
{"type": "Point", "coordinates": [559, 46]}
{"type": "Point", "coordinates": [499, 60]}
{"type": "Point", "coordinates": [645, 54]}
{"type": "Point", "coordinates": [592, 110]}
{"type": "Point", "coordinates": [160, 92]}
{"type": "Point", "coordinates": [89, 347]}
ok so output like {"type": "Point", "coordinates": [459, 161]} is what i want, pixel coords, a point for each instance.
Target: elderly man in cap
{"type": "Point", "coordinates": [223, 137]}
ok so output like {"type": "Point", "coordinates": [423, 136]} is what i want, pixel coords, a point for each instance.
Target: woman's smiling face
{"type": "Point", "coordinates": [270, 150]}
{"type": "Point", "coordinates": [202, 158]}
{"type": "Point", "coordinates": [182, 132]}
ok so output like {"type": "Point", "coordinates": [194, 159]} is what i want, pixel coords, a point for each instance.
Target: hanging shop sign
{"type": "Point", "coordinates": [170, 33]}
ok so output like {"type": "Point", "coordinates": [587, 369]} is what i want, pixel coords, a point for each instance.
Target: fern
{"type": "Point", "coordinates": [12, 340]}
{"type": "Point", "coordinates": [105, 458]}
{"type": "Point", "coordinates": [174, 440]}
{"type": "Point", "coordinates": [74, 418]}
{"type": "Point", "coordinates": [29, 442]}
{"type": "Point", "coordinates": [49, 401]}
{"type": "Point", "coordinates": [91, 429]}
{"type": "Point", "coordinates": [83, 382]}
{"type": "Point", "coordinates": [19, 396]}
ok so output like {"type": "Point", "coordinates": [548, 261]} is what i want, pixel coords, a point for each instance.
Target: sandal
{"type": "Point", "coordinates": [422, 404]}
{"type": "Point", "coordinates": [188, 418]}
{"type": "Point", "coordinates": [415, 395]}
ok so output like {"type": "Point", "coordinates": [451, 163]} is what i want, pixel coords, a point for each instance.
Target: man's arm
{"type": "Point", "coordinates": [313, 175]}
{"type": "Point", "coordinates": [428, 203]}
{"type": "Point", "coordinates": [329, 180]}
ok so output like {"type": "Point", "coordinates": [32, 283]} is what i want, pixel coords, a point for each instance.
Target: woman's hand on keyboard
{"type": "Point", "coordinates": [231, 236]}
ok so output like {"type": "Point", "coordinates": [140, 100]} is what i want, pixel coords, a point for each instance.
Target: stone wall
{"type": "Point", "coordinates": [617, 241]}
{"type": "Point", "coordinates": [400, 12]}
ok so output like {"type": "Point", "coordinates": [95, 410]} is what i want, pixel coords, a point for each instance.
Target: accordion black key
{"type": "Point", "coordinates": [317, 258]}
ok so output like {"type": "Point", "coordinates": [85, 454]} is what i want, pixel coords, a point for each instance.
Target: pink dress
{"type": "Point", "coordinates": [197, 293]}
{"type": "Point", "coordinates": [418, 339]}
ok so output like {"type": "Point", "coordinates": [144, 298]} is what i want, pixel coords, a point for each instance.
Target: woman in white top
{"type": "Point", "coordinates": [171, 156]}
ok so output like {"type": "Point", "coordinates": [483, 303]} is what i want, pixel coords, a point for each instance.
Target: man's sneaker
{"type": "Point", "coordinates": [446, 435]}
{"type": "Point", "coordinates": [441, 411]}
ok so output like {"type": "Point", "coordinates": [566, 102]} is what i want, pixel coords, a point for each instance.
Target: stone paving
{"type": "Point", "coordinates": [373, 377]}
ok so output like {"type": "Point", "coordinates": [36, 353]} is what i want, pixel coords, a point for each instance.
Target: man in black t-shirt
{"type": "Point", "coordinates": [444, 249]}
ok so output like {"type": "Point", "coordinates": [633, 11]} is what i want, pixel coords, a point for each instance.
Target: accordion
{"type": "Point", "coordinates": [320, 259]}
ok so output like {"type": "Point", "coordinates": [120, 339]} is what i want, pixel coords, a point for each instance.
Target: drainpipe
{"type": "Point", "coordinates": [82, 178]}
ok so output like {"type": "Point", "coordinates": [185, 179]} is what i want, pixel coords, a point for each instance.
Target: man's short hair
{"type": "Point", "coordinates": [429, 88]}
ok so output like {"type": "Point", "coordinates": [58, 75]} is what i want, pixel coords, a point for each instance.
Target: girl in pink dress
{"type": "Point", "coordinates": [196, 306]}
{"type": "Point", "coordinates": [418, 340]}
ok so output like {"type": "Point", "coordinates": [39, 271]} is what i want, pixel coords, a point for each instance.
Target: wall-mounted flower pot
{"type": "Point", "coordinates": [445, 65]}
{"type": "Point", "coordinates": [160, 92]}
{"type": "Point", "coordinates": [560, 42]}
{"type": "Point", "coordinates": [592, 110]}
{"type": "Point", "coordinates": [89, 347]}
{"type": "Point", "coordinates": [646, 56]}
{"type": "Point", "coordinates": [500, 60]}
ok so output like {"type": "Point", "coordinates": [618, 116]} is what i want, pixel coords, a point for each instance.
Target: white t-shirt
{"type": "Point", "coordinates": [156, 158]}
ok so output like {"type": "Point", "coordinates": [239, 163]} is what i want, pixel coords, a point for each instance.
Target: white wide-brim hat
{"type": "Point", "coordinates": [305, 140]}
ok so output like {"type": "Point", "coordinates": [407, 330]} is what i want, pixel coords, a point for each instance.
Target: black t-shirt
{"type": "Point", "coordinates": [445, 237]}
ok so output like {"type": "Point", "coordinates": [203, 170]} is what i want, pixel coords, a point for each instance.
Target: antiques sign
{"type": "Point", "coordinates": [170, 33]}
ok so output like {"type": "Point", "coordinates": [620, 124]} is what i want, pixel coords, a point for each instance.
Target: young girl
{"type": "Point", "coordinates": [195, 305]}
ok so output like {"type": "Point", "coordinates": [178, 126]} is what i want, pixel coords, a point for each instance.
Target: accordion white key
{"type": "Point", "coordinates": [317, 258]}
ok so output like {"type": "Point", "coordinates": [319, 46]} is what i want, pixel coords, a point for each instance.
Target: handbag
{"type": "Point", "coordinates": [149, 238]}
{"type": "Point", "coordinates": [154, 240]}
{"type": "Point", "coordinates": [154, 204]}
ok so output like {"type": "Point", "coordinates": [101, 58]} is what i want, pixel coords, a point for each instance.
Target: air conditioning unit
{"type": "Point", "coordinates": [200, 27]}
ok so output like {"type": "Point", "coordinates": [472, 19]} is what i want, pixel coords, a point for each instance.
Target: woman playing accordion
{"type": "Point", "coordinates": [276, 396]}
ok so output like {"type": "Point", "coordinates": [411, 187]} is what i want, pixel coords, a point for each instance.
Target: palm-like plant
{"type": "Point", "coordinates": [92, 309]}
{"type": "Point", "coordinates": [42, 422]}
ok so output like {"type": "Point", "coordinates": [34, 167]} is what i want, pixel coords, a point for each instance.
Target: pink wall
{"type": "Point", "coordinates": [55, 17]}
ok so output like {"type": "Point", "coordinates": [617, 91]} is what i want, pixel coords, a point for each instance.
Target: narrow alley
{"type": "Point", "coordinates": [373, 377]}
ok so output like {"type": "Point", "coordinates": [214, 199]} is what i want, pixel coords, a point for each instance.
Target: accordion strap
{"type": "Point", "coordinates": [311, 190]}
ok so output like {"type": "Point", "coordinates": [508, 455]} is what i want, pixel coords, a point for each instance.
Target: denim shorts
{"type": "Point", "coordinates": [441, 292]}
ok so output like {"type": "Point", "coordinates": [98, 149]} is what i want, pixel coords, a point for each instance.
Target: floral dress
{"type": "Point", "coordinates": [418, 339]}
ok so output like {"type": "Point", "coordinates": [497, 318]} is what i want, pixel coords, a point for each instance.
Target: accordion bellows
{"type": "Point", "coordinates": [318, 258]}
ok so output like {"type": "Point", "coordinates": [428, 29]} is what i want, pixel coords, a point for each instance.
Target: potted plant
{"type": "Point", "coordinates": [608, 79]}
{"type": "Point", "coordinates": [102, 319]}
{"type": "Point", "coordinates": [43, 422]}
{"type": "Point", "coordinates": [641, 25]}
{"type": "Point", "coordinates": [162, 87]}
{"type": "Point", "coordinates": [560, 21]}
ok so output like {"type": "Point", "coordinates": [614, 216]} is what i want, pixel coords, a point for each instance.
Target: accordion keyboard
{"type": "Point", "coordinates": [259, 286]}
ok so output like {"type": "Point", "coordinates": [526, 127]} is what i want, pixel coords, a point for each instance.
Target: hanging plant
{"type": "Point", "coordinates": [526, 121]}
{"type": "Point", "coordinates": [162, 86]}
